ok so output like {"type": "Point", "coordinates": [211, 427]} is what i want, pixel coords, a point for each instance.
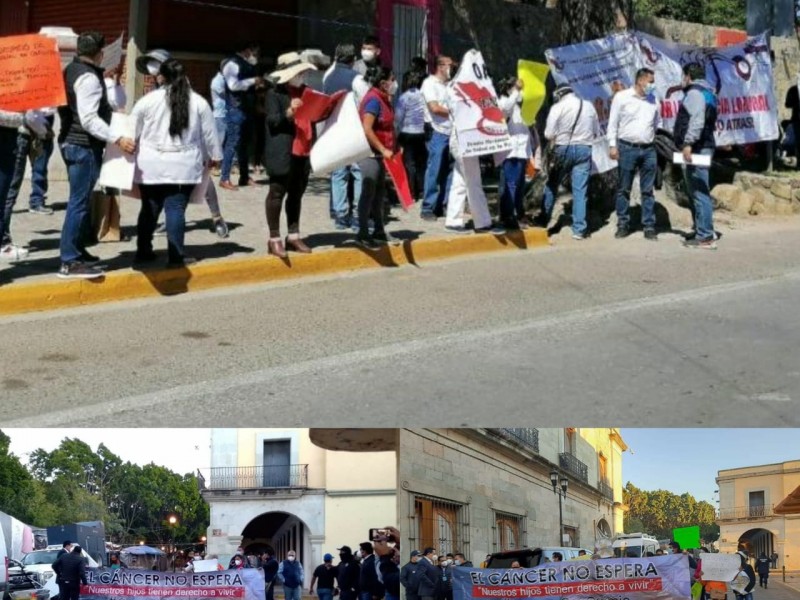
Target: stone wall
{"type": "Point", "coordinates": [787, 50]}
{"type": "Point", "coordinates": [758, 194]}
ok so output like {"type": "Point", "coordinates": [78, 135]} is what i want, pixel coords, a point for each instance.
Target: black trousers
{"type": "Point", "coordinates": [415, 159]}
{"type": "Point", "coordinates": [72, 591]}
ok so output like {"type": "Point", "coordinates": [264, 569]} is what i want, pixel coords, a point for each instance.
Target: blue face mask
{"type": "Point", "coordinates": [650, 89]}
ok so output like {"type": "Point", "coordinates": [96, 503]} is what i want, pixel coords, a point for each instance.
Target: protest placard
{"type": "Point", "coordinates": [534, 77]}
{"type": "Point", "coordinates": [107, 584]}
{"type": "Point", "coordinates": [118, 167]}
{"type": "Point", "coordinates": [205, 566]}
{"type": "Point", "coordinates": [687, 537]}
{"type": "Point", "coordinates": [30, 73]}
{"type": "Point", "coordinates": [657, 578]}
{"type": "Point", "coordinates": [719, 567]}
{"type": "Point", "coordinates": [112, 54]}
{"type": "Point", "coordinates": [477, 119]}
{"type": "Point", "coordinates": [316, 105]}
{"type": "Point", "coordinates": [341, 140]}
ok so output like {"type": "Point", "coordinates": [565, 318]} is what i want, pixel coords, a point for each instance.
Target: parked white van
{"type": "Point", "coordinates": [634, 545]}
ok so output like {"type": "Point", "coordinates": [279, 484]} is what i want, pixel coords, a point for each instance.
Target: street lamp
{"type": "Point", "coordinates": [556, 478]}
{"type": "Point", "coordinates": [173, 522]}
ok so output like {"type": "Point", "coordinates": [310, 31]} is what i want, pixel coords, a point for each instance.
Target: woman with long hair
{"type": "Point", "coordinates": [377, 117]}
{"type": "Point", "coordinates": [286, 153]}
{"type": "Point", "coordinates": [512, 197]}
{"type": "Point", "coordinates": [176, 139]}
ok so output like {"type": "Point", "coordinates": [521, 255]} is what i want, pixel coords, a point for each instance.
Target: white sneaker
{"type": "Point", "coordinates": [12, 253]}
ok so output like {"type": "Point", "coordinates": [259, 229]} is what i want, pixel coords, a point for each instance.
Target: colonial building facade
{"type": "Point", "coordinates": [276, 487]}
{"type": "Point", "coordinates": [480, 491]}
{"type": "Point", "coordinates": [754, 511]}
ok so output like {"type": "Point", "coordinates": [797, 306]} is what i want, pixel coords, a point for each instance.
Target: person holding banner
{"type": "Point", "coordinates": [286, 153]}
{"type": "Point", "coordinates": [512, 209]}
{"type": "Point", "coordinates": [632, 123]}
{"type": "Point", "coordinates": [85, 130]}
{"type": "Point", "coordinates": [694, 134]}
{"type": "Point", "coordinates": [377, 117]}
{"type": "Point", "coordinates": [572, 126]}
{"type": "Point", "coordinates": [176, 136]}
{"type": "Point", "coordinates": [438, 173]}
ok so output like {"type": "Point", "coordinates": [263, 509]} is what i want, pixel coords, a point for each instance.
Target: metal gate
{"type": "Point", "coordinates": [410, 36]}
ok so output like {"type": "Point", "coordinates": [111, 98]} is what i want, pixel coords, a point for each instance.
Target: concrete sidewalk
{"type": "Point", "coordinates": [242, 258]}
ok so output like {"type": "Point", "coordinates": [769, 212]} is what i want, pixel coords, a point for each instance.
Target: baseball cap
{"type": "Point", "coordinates": [345, 549]}
{"type": "Point", "coordinates": [327, 558]}
{"type": "Point", "coordinates": [415, 553]}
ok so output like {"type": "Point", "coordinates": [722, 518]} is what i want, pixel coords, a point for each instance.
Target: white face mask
{"type": "Point", "coordinates": [297, 81]}
{"type": "Point", "coordinates": [290, 557]}
{"type": "Point", "coordinates": [153, 67]}
{"type": "Point", "coordinates": [252, 59]}
{"type": "Point", "coordinates": [650, 89]}
{"type": "Point", "coordinates": [368, 55]}
{"type": "Point", "coordinates": [392, 88]}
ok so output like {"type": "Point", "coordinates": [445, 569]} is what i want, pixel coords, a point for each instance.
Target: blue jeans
{"type": "Point", "coordinates": [364, 595]}
{"type": "Point", "coordinates": [237, 141]}
{"type": "Point", "coordinates": [172, 199]}
{"type": "Point", "coordinates": [83, 169]}
{"type": "Point", "coordinates": [438, 174]}
{"type": "Point", "coordinates": [576, 161]}
{"type": "Point", "coordinates": [222, 128]}
{"type": "Point", "coordinates": [645, 161]}
{"type": "Point", "coordinates": [325, 594]}
{"type": "Point", "coordinates": [38, 180]}
{"type": "Point", "coordinates": [511, 200]}
{"type": "Point", "coordinates": [294, 593]}
{"type": "Point", "coordinates": [391, 596]}
{"type": "Point", "coordinates": [340, 203]}
{"type": "Point", "coordinates": [697, 186]}
{"type": "Point", "coordinates": [8, 149]}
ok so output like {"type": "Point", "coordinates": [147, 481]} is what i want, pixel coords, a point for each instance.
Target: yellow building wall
{"type": "Point", "coordinates": [361, 470]}
{"type": "Point", "coordinates": [348, 519]}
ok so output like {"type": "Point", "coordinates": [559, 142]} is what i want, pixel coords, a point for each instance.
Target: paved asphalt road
{"type": "Point", "coordinates": [604, 332]}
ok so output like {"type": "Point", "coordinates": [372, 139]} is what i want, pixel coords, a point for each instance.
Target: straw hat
{"type": "Point", "coordinates": [290, 65]}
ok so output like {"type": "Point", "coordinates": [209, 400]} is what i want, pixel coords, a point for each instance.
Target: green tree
{"type": "Point", "coordinates": [718, 13]}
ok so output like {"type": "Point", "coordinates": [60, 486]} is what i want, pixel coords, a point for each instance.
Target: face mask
{"type": "Point", "coordinates": [291, 558]}
{"type": "Point", "coordinates": [458, 563]}
{"type": "Point", "coordinates": [650, 89]}
{"type": "Point", "coordinates": [435, 557]}
{"type": "Point", "coordinates": [238, 563]}
{"type": "Point", "coordinates": [153, 68]}
{"type": "Point", "coordinates": [342, 556]}
{"type": "Point", "coordinates": [368, 55]}
{"type": "Point", "coordinates": [297, 81]}
{"type": "Point", "coordinates": [392, 88]}
{"type": "Point", "coordinates": [252, 59]}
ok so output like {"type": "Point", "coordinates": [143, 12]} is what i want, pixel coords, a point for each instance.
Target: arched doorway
{"type": "Point", "coordinates": [603, 530]}
{"type": "Point", "coordinates": [756, 541]}
{"type": "Point", "coordinates": [279, 530]}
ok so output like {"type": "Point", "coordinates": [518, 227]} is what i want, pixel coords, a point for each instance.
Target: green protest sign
{"type": "Point", "coordinates": [687, 537]}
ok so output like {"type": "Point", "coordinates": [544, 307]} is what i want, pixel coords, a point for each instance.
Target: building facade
{"type": "Point", "coordinates": [481, 491]}
{"type": "Point", "coordinates": [275, 487]}
{"type": "Point", "coordinates": [747, 517]}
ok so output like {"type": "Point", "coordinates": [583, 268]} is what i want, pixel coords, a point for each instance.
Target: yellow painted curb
{"type": "Point", "coordinates": [126, 285]}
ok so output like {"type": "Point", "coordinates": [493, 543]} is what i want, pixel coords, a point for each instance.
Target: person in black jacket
{"type": "Point", "coordinates": [746, 569]}
{"type": "Point", "coordinates": [270, 566]}
{"type": "Point", "coordinates": [70, 568]}
{"type": "Point", "coordinates": [347, 574]}
{"type": "Point", "coordinates": [371, 588]}
{"type": "Point", "coordinates": [410, 575]}
{"type": "Point", "coordinates": [429, 579]}
{"type": "Point", "coordinates": [388, 563]}
{"type": "Point", "coordinates": [762, 568]}
{"type": "Point", "coordinates": [286, 153]}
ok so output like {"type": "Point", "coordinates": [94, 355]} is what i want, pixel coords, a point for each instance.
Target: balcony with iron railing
{"type": "Point", "coordinates": [254, 478]}
{"type": "Point", "coordinates": [524, 437]}
{"type": "Point", "coordinates": [570, 463]}
{"type": "Point", "coordinates": [606, 490]}
{"type": "Point", "coordinates": [742, 513]}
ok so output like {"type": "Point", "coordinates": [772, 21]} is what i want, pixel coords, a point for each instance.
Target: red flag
{"type": "Point", "coordinates": [397, 171]}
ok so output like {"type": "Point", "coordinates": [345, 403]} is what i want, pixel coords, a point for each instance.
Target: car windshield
{"type": "Point", "coordinates": [43, 557]}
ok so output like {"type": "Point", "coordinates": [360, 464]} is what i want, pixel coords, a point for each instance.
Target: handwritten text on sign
{"type": "Point", "coordinates": [30, 73]}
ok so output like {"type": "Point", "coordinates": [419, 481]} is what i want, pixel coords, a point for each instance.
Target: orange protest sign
{"type": "Point", "coordinates": [30, 73]}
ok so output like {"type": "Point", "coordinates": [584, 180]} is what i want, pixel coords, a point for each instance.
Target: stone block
{"type": "Point", "coordinates": [726, 196]}
{"type": "Point", "coordinates": [757, 208]}
{"type": "Point", "coordinates": [433, 449]}
{"type": "Point", "coordinates": [782, 189]}
{"type": "Point", "coordinates": [744, 203]}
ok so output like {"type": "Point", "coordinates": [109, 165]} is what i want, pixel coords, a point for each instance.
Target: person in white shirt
{"type": "Point", "coordinates": [85, 131]}
{"type": "Point", "coordinates": [573, 127]}
{"type": "Point", "coordinates": [512, 209]}
{"type": "Point", "coordinates": [176, 139]}
{"type": "Point", "coordinates": [438, 174]}
{"type": "Point", "coordinates": [409, 118]}
{"type": "Point", "coordinates": [218, 104]}
{"type": "Point", "coordinates": [635, 117]}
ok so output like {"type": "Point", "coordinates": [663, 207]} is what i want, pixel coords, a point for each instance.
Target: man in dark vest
{"type": "Point", "coordinates": [70, 568]}
{"type": "Point", "coordinates": [270, 566]}
{"type": "Point", "coordinates": [241, 79]}
{"type": "Point", "coordinates": [694, 135]}
{"type": "Point", "coordinates": [290, 574]}
{"type": "Point", "coordinates": [84, 133]}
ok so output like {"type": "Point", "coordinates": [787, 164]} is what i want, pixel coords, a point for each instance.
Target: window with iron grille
{"type": "Point", "coordinates": [441, 524]}
{"type": "Point", "coordinates": [571, 537]}
{"type": "Point", "coordinates": [509, 531]}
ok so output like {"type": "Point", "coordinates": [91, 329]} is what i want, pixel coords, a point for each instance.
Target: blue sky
{"type": "Point", "coordinates": [687, 460]}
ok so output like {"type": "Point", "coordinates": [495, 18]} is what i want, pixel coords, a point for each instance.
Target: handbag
{"type": "Point", "coordinates": [550, 159]}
